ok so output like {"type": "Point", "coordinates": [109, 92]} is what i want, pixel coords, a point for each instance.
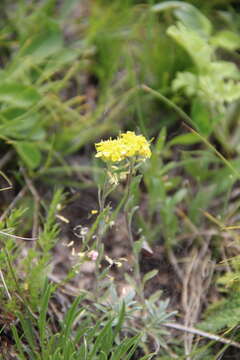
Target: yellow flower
{"type": "Point", "coordinates": [94, 212]}
{"type": "Point", "coordinates": [137, 144]}
{"type": "Point", "coordinates": [111, 150]}
{"type": "Point", "coordinates": [125, 146]}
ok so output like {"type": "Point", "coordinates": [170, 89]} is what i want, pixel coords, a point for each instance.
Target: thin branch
{"type": "Point", "coordinates": [36, 198]}
{"type": "Point", "coordinates": [202, 333]}
{"type": "Point", "coordinates": [206, 142]}
{"type": "Point", "coordinates": [7, 180]}
{"type": "Point", "coordinates": [6, 158]}
{"type": "Point", "coordinates": [5, 285]}
{"type": "Point", "coordinates": [13, 203]}
{"type": "Point", "coordinates": [171, 104]}
{"type": "Point", "coordinates": [16, 237]}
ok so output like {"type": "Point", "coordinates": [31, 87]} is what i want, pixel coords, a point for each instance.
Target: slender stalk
{"type": "Point", "coordinates": [178, 110]}
{"type": "Point", "coordinates": [202, 333]}
{"type": "Point", "coordinates": [5, 285]}
{"type": "Point", "coordinates": [102, 196]}
{"type": "Point", "coordinates": [128, 220]}
{"type": "Point", "coordinates": [187, 118]}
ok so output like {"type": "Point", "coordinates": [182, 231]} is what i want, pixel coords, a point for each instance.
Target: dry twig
{"type": "Point", "coordinates": [201, 333]}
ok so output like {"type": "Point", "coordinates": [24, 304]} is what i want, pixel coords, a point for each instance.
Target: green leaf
{"type": "Point", "coordinates": [160, 141]}
{"type": "Point", "coordinates": [120, 319]}
{"type": "Point", "coordinates": [18, 343]}
{"type": "Point", "coordinates": [102, 342]}
{"type": "Point", "coordinates": [43, 44]}
{"type": "Point", "coordinates": [130, 281]}
{"type": "Point", "coordinates": [223, 70]}
{"type": "Point", "coordinates": [126, 349]}
{"type": "Point", "coordinates": [134, 194]}
{"type": "Point", "coordinates": [19, 95]}
{"type": "Point", "coordinates": [189, 15]}
{"type": "Point", "coordinates": [21, 124]}
{"type": "Point", "coordinates": [149, 275]}
{"type": "Point", "coordinates": [201, 117]}
{"type": "Point", "coordinates": [29, 153]}
{"type": "Point", "coordinates": [62, 57]}
{"type": "Point", "coordinates": [28, 329]}
{"type": "Point", "coordinates": [148, 356]}
{"type": "Point", "coordinates": [196, 45]}
{"type": "Point", "coordinates": [155, 297]}
{"type": "Point", "coordinates": [184, 139]}
{"type": "Point", "coordinates": [226, 39]}
{"type": "Point", "coordinates": [222, 314]}
{"type": "Point", "coordinates": [192, 18]}
{"type": "Point", "coordinates": [67, 7]}
{"type": "Point", "coordinates": [42, 320]}
{"type": "Point", "coordinates": [137, 246]}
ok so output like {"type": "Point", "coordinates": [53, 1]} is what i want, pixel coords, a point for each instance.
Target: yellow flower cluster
{"type": "Point", "coordinates": [126, 145]}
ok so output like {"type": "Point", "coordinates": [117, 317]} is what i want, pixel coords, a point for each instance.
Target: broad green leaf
{"type": "Point", "coordinates": [201, 117]}
{"type": "Point", "coordinates": [29, 153]}
{"type": "Point", "coordinates": [223, 70]}
{"type": "Point", "coordinates": [196, 46]}
{"type": "Point", "coordinates": [63, 56]}
{"type": "Point", "coordinates": [12, 112]}
{"type": "Point", "coordinates": [19, 95]}
{"type": "Point", "coordinates": [226, 39]}
{"type": "Point", "coordinates": [187, 82]}
{"type": "Point", "coordinates": [43, 44]}
{"type": "Point", "coordinates": [192, 18]}
{"type": "Point", "coordinates": [189, 15]}
{"type": "Point", "coordinates": [184, 139]}
{"type": "Point", "coordinates": [22, 124]}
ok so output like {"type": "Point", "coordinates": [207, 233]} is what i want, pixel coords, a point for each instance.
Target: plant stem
{"type": "Point", "coordinates": [171, 104]}
{"type": "Point", "coordinates": [187, 118]}
{"type": "Point", "coordinates": [102, 196]}
{"type": "Point", "coordinates": [128, 220]}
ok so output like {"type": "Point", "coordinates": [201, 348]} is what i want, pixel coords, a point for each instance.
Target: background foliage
{"type": "Point", "coordinates": [72, 73]}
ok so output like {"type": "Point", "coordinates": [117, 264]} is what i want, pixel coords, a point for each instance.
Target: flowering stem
{"type": "Point", "coordinates": [102, 196]}
{"type": "Point", "coordinates": [99, 232]}
{"type": "Point", "coordinates": [128, 220]}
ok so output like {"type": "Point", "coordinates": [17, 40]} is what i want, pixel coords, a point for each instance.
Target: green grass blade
{"type": "Point", "coordinates": [42, 320]}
